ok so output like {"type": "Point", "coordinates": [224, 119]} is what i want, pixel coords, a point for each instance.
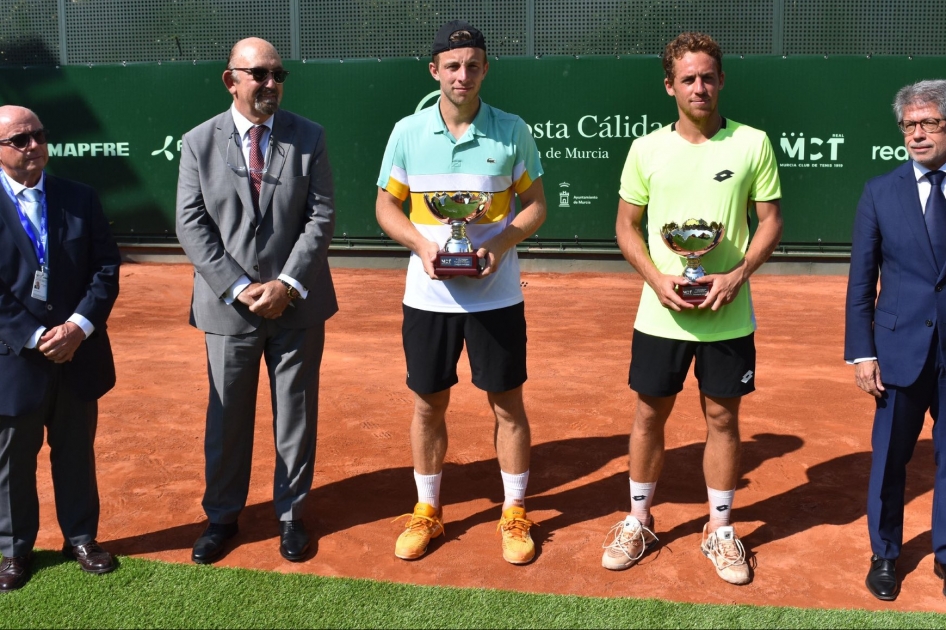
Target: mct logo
{"type": "Point", "coordinates": [797, 147]}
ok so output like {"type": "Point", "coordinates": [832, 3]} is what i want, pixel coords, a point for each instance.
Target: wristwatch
{"type": "Point", "coordinates": [290, 290]}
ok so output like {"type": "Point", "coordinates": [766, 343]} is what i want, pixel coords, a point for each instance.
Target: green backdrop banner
{"type": "Point", "coordinates": [118, 128]}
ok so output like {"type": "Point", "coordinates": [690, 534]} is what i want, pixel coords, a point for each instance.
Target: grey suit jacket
{"type": "Point", "coordinates": [217, 226]}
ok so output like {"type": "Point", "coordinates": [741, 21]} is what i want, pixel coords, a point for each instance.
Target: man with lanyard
{"type": "Point", "coordinates": [463, 145]}
{"type": "Point", "coordinates": [58, 283]}
{"type": "Point", "coordinates": [701, 167]}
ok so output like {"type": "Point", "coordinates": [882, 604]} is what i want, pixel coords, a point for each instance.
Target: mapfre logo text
{"type": "Point", "coordinates": [90, 149]}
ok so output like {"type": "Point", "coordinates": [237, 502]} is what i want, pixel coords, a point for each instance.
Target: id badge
{"type": "Point", "coordinates": [40, 284]}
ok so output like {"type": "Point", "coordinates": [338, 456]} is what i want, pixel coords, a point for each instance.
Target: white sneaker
{"type": "Point", "coordinates": [626, 543]}
{"type": "Point", "coordinates": [728, 555]}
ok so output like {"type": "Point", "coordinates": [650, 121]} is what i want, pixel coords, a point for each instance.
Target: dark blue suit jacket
{"type": "Point", "coordinates": [890, 239]}
{"type": "Point", "coordinates": [83, 278]}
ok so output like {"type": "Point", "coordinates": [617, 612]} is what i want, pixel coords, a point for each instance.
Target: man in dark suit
{"type": "Point", "coordinates": [58, 282]}
{"type": "Point", "coordinates": [897, 339]}
{"type": "Point", "coordinates": [255, 215]}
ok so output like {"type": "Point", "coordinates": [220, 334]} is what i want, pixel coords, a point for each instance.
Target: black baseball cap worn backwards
{"type": "Point", "coordinates": [457, 34]}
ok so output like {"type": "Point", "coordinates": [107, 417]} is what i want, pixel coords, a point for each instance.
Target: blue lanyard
{"type": "Point", "coordinates": [39, 244]}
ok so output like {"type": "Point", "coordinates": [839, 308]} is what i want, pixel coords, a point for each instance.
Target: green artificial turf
{"type": "Point", "coordinates": [149, 594]}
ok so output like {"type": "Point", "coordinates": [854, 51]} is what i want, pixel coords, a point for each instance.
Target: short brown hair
{"type": "Point", "coordinates": [435, 59]}
{"type": "Point", "coordinates": [691, 42]}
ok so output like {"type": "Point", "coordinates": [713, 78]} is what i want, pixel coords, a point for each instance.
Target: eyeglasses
{"type": "Point", "coordinates": [22, 140]}
{"type": "Point", "coordinates": [261, 74]}
{"type": "Point", "coordinates": [929, 125]}
{"type": "Point", "coordinates": [243, 171]}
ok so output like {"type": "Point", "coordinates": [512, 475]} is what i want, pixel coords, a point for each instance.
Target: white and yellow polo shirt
{"type": "Point", "coordinates": [497, 154]}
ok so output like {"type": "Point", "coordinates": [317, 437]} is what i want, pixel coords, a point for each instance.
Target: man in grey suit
{"type": "Point", "coordinates": [255, 215]}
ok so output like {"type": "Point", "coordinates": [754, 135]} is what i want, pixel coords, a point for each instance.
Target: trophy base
{"type": "Point", "coordinates": [694, 293]}
{"type": "Point", "coordinates": [460, 264]}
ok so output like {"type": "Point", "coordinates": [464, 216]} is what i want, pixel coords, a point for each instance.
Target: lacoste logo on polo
{"type": "Point", "coordinates": [639, 497]}
{"type": "Point", "coordinates": [747, 376]}
{"type": "Point", "coordinates": [490, 161]}
{"type": "Point", "coordinates": [722, 508]}
{"type": "Point", "coordinates": [723, 175]}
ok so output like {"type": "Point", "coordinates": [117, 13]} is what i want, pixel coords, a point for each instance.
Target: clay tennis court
{"type": "Point", "coordinates": [799, 510]}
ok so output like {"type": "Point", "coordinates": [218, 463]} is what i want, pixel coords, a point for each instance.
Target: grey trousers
{"type": "Point", "coordinates": [292, 358]}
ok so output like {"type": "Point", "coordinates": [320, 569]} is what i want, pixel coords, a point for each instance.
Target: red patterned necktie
{"type": "Point", "coordinates": [256, 163]}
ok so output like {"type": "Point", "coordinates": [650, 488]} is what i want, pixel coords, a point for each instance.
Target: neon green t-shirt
{"type": "Point", "coordinates": [714, 181]}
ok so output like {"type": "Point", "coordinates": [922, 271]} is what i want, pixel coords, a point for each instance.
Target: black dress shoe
{"type": "Point", "coordinates": [14, 572]}
{"type": "Point", "coordinates": [940, 570]}
{"type": "Point", "coordinates": [882, 579]}
{"type": "Point", "coordinates": [90, 556]}
{"type": "Point", "coordinates": [209, 547]}
{"type": "Point", "coordinates": [293, 541]}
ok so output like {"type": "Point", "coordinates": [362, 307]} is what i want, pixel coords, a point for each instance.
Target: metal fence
{"type": "Point", "coordinates": [60, 32]}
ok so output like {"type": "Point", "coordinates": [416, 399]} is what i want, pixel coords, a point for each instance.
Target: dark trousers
{"type": "Point", "coordinates": [897, 424]}
{"type": "Point", "coordinates": [70, 428]}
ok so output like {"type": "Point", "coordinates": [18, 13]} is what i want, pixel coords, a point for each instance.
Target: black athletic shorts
{"type": "Point", "coordinates": [495, 343]}
{"type": "Point", "coordinates": [724, 369]}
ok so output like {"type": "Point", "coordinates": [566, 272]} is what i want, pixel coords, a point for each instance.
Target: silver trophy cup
{"type": "Point", "coordinates": [457, 257]}
{"type": "Point", "coordinates": [692, 240]}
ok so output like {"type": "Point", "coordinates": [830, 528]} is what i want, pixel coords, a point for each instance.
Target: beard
{"type": "Point", "coordinates": [266, 102]}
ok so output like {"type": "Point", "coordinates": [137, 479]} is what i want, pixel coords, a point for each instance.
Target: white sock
{"type": "Point", "coordinates": [720, 507]}
{"type": "Point", "coordinates": [514, 488]}
{"type": "Point", "coordinates": [642, 495]}
{"type": "Point", "coordinates": [428, 488]}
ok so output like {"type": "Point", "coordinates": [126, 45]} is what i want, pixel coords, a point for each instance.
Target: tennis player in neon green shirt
{"type": "Point", "coordinates": [703, 166]}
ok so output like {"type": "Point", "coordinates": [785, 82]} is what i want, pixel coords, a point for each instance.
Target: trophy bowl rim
{"type": "Point", "coordinates": [470, 218]}
{"type": "Point", "coordinates": [667, 237]}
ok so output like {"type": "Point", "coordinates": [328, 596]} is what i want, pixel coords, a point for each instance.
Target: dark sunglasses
{"type": "Point", "coordinates": [22, 140]}
{"type": "Point", "coordinates": [261, 74]}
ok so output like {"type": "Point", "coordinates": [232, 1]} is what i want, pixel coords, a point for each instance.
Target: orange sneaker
{"type": "Point", "coordinates": [518, 547]}
{"type": "Point", "coordinates": [425, 523]}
